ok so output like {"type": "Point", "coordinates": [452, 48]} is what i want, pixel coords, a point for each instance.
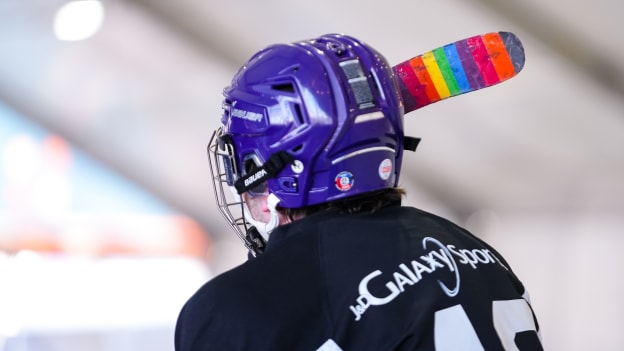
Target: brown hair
{"type": "Point", "coordinates": [369, 202]}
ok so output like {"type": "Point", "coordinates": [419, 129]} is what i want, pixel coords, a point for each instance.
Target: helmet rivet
{"type": "Point", "coordinates": [336, 47]}
{"type": "Point", "coordinates": [297, 166]}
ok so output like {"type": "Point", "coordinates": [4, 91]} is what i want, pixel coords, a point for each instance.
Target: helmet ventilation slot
{"type": "Point", "coordinates": [284, 87]}
{"type": "Point", "coordinates": [298, 113]}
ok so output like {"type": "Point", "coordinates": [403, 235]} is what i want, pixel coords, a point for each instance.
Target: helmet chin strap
{"type": "Point", "coordinates": [265, 229]}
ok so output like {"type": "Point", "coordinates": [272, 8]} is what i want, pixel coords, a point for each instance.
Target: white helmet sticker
{"type": "Point", "coordinates": [385, 169]}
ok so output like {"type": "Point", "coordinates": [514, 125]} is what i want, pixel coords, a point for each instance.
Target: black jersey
{"type": "Point", "coordinates": [397, 279]}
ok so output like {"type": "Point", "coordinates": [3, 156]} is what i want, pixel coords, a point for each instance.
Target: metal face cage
{"type": "Point", "coordinates": [223, 169]}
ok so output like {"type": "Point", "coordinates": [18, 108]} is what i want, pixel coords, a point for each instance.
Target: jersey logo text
{"type": "Point", "coordinates": [442, 257]}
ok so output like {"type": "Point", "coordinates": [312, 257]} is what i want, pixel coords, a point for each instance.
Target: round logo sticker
{"type": "Point", "coordinates": [344, 181]}
{"type": "Point", "coordinates": [385, 169]}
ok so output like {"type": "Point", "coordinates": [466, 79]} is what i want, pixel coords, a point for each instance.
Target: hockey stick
{"type": "Point", "coordinates": [458, 68]}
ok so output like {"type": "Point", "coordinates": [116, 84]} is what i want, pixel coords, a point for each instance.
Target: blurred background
{"type": "Point", "coordinates": [107, 218]}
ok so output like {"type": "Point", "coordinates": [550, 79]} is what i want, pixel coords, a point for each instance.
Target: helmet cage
{"type": "Point", "coordinates": [223, 166]}
{"type": "Point", "coordinates": [252, 179]}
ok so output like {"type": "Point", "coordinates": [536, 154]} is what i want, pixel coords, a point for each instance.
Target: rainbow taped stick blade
{"type": "Point", "coordinates": [458, 68]}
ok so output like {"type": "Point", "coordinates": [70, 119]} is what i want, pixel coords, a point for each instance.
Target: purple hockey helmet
{"type": "Point", "coordinates": [311, 122]}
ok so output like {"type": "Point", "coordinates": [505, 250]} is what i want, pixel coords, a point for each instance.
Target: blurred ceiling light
{"type": "Point", "coordinates": [78, 20]}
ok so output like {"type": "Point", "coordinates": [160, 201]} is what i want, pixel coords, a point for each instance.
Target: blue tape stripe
{"type": "Point", "coordinates": [452, 56]}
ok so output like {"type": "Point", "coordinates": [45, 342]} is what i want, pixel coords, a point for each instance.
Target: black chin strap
{"type": "Point", "coordinates": [269, 169]}
{"type": "Point", "coordinates": [254, 242]}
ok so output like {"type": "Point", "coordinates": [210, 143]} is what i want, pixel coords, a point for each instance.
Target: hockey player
{"type": "Point", "coordinates": [306, 167]}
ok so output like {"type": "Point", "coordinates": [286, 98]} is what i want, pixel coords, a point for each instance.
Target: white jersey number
{"type": "Point", "coordinates": [453, 330]}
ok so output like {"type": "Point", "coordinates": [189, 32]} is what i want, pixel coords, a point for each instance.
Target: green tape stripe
{"type": "Point", "coordinates": [447, 72]}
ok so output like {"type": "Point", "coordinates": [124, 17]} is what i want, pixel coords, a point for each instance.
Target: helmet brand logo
{"type": "Point", "coordinates": [254, 177]}
{"type": "Point", "coordinates": [246, 115]}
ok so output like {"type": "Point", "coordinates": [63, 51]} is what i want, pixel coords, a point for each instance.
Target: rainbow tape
{"type": "Point", "coordinates": [461, 67]}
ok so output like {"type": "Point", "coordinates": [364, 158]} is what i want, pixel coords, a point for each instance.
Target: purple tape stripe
{"type": "Point", "coordinates": [473, 74]}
